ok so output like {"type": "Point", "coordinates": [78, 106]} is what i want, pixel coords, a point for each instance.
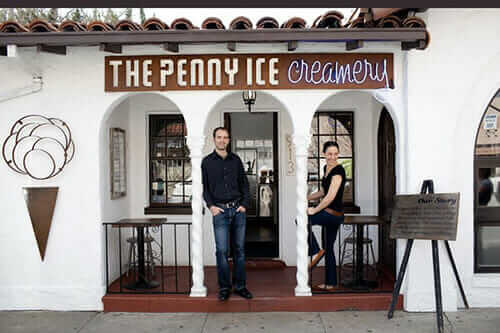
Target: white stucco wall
{"type": "Point", "coordinates": [72, 277]}
{"type": "Point", "coordinates": [439, 99]}
{"type": "Point", "coordinates": [450, 85]}
{"type": "Point", "coordinates": [114, 210]}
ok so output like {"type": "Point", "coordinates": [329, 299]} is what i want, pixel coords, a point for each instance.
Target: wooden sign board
{"type": "Point", "coordinates": [425, 216]}
{"type": "Point", "coordinates": [249, 71]}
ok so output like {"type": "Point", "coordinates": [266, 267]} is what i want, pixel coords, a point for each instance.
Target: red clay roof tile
{"type": "Point", "coordinates": [99, 26]}
{"type": "Point", "coordinates": [154, 23]}
{"type": "Point", "coordinates": [13, 27]}
{"type": "Point", "coordinates": [127, 25]}
{"type": "Point", "coordinates": [212, 23]}
{"type": "Point", "coordinates": [182, 24]}
{"type": "Point", "coordinates": [367, 17]}
{"type": "Point", "coordinates": [41, 26]}
{"type": "Point", "coordinates": [267, 23]}
{"type": "Point", "coordinates": [391, 21]}
{"type": "Point", "coordinates": [241, 23]}
{"type": "Point", "coordinates": [295, 23]}
{"type": "Point", "coordinates": [413, 22]}
{"type": "Point", "coordinates": [331, 19]}
{"type": "Point", "coordinates": [72, 26]}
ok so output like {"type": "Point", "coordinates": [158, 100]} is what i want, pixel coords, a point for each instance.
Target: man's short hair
{"type": "Point", "coordinates": [220, 128]}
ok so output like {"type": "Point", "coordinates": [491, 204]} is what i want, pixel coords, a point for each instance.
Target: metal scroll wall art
{"type": "Point", "coordinates": [36, 134]}
{"type": "Point", "coordinates": [27, 130]}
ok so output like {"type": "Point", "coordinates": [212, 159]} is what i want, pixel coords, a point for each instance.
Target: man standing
{"type": "Point", "coordinates": [226, 192]}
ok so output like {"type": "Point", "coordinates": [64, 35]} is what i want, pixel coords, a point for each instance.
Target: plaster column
{"type": "Point", "coordinates": [195, 144]}
{"type": "Point", "coordinates": [301, 144]}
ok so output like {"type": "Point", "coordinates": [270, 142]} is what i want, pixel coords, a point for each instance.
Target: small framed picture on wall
{"type": "Point", "coordinates": [118, 170]}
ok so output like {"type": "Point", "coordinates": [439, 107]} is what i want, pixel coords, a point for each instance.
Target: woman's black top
{"type": "Point", "coordinates": [337, 204]}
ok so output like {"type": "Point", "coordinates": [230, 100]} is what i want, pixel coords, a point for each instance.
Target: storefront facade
{"type": "Point", "coordinates": [436, 105]}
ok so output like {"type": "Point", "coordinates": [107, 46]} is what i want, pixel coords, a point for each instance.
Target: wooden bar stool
{"type": "Point", "coordinates": [351, 240]}
{"type": "Point", "coordinates": [132, 253]}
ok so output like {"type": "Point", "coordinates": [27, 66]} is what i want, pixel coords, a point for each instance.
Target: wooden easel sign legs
{"type": "Point", "coordinates": [435, 205]}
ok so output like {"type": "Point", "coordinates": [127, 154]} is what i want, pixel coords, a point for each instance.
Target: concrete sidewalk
{"type": "Point", "coordinates": [470, 321]}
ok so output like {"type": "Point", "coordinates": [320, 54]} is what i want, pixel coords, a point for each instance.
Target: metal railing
{"type": "Point", "coordinates": [347, 268]}
{"type": "Point", "coordinates": [160, 265]}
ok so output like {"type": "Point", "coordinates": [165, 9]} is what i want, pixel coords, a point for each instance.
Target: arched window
{"type": "Point", "coordinates": [339, 127]}
{"type": "Point", "coordinates": [487, 190]}
{"type": "Point", "coordinates": [170, 166]}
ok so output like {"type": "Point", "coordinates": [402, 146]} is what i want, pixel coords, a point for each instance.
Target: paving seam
{"type": "Point", "coordinates": [204, 323]}
{"type": "Point", "coordinates": [322, 321]}
{"type": "Point", "coordinates": [88, 321]}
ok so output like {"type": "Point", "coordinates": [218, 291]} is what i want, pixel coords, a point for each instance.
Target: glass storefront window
{"type": "Point", "coordinates": [170, 166]}
{"type": "Point", "coordinates": [332, 126]}
{"type": "Point", "coordinates": [489, 240]}
{"type": "Point", "coordinates": [487, 190]}
{"type": "Point", "coordinates": [489, 187]}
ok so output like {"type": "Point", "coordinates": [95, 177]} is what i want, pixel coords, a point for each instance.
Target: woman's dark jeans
{"type": "Point", "coordinates": [330, 224]}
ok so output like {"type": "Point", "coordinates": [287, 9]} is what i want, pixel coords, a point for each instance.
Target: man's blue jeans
{"type": "Point", "coordinates": [225, 224]}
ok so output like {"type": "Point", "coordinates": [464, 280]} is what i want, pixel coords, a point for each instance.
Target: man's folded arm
{"type": "Point", "coordinates": [206, 193]}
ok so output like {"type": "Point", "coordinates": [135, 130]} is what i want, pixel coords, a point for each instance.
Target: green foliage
{"type": "Point", "coordinates": [111, 16]}
{"type": "Point", "coordinates": [96, 15]}
{"type": "Point", "coordinates": [3, 14]}
{"type": "Point", "coordinates": [128, 14]}
{"type": "Point", "coordinates": [77, 15]}
{"type": "Point", "coordinates": [143, 15]}
{"type": "Point", "coordinates": [53, 15]}
{"type": "Point", "coordinates": [347, 164]}
{"type": "Point", "coordinates": [27, 15]}
{"type": "Point", "coordinates": [11, 14]}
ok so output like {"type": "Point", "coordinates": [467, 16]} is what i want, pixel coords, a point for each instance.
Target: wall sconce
{"type": "Point", "coordinates": [249, 97]}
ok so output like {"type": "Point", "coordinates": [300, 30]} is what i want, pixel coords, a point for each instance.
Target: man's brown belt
{"type": "Point", "coordinates": [333, 212]}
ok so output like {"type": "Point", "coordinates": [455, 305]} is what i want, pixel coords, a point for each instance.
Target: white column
{"type": "Point", "coordinates": [301, 144]}
{"type": "Point", "coordinates": [195, 144]}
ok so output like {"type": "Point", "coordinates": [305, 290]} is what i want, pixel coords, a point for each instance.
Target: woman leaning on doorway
{"type": "Point", "coordinates": [329, 213]}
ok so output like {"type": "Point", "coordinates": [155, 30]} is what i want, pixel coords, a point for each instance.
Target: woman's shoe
{"type": "Point", "coordinates": [317, 257]}
{"type": "Point", "coordinates": [325, 287]}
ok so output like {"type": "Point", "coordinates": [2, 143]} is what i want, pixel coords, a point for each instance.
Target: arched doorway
{"type": "Point", "coordinates": [152, 151]}
{"type": "Point", "coordinates": [260, 139]}
{"type": "Point", "coordinates": [487, 190]}
{"type": "Point", "coordinates": [366, 129]}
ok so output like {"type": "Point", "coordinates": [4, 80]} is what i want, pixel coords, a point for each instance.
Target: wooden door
{"type": "Point", "coordinates": [386, 188]}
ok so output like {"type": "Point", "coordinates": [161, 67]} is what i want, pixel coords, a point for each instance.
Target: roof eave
{"type": "Point", "coordinates": [86, 38]}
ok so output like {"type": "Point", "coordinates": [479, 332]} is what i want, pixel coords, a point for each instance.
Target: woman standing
{"type": "Point", "coordinates": [329, 213]}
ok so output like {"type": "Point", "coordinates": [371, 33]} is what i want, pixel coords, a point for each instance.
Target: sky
{"type": "Point", "coordinates": [198, 15]}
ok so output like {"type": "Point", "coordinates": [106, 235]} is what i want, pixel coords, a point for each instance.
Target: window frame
{"type": "Point", "coordinates": [483, 216]}
{"type": "Point", "coordinates": [165, 208]}
{"type": "Point", "coordinates": [349, 207]}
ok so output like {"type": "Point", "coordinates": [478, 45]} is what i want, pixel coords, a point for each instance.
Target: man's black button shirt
{"type": "Point", "coordinates": [224, 180]}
